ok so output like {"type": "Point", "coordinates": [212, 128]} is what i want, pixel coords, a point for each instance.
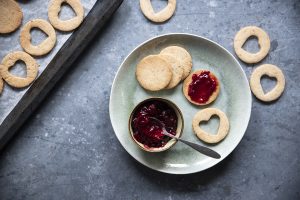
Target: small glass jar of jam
{"type": "Point", "coordinates": [146, 132]}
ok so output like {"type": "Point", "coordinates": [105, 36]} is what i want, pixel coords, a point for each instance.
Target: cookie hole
{"type": "Point", "coordinates": [211, 126]}
{"type": "Point", "coordinates": [19, 69]}
{"type": "Point", "coordinates": [158, 5]}
{"type": "Point", "coordinates": [66, 12]}
{"type": "Point", "coordinates": [251, 45]}
{"type": "Point", "coordinates": [268, 83]}
{"type": "Point", "coordinates": [37, 36]}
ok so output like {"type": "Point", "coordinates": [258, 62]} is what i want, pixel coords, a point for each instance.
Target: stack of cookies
{"type": "Point", "coordinates": [173, 65]}
{"type": "Point", "coordinates": [165, 70]}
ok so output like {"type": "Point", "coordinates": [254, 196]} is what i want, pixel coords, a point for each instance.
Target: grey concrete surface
{"type": "Point", "coordinates": [67, 148]}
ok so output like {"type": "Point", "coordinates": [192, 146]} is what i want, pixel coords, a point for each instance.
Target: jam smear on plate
{"type": "Point", "coordinates": [202, 87]}
{"type": "Point", "coordinates": [149, 132]}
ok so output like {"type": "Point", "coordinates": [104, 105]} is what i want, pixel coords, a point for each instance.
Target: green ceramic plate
{"type": "Point", "coordinates": [234, 99]}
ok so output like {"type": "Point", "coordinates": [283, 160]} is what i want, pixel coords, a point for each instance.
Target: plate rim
{"type": "Point", "coordinates": [191, 35]}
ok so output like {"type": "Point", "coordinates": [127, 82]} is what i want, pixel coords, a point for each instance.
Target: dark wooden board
{"type": "Point", "coordinates": [72, 48]}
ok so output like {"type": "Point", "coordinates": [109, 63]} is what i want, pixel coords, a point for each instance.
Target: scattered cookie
{"type": "Point", "coordinates": [271, 71]}
{"type": "Point", "coordinates": [15, 81]}
{"type": "Point", "coordinates": [65, 25]}
{"type": "Point", "coordinates": [44, 47]}
{"type": "Point", "coordinates": [263, 41]}
{"type": "Point", "coordinates": [177, 70]}
{"type": "Point", "coordinates": [205, 115]}
{"type": "Point", "coordinates": [201, 87]}
{"type": "Point", "coordinates": [162, 15]}
{"type": "Point", "coordinates": [10, 16]}
{"type": "Point", "coordinates": [183, 56]}
{"type": "Point", "coordinates": [1, 82]}
{"type": "Point", "coordinates": [153, 73]}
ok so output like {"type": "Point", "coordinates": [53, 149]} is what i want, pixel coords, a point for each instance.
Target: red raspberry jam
{"type": "Point", "coordinates": [149, 132]}
{"type": "Point", "coordinates": [202, 87]}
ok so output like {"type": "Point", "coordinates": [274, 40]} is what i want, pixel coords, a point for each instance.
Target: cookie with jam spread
{"type": "Point", "coordinates": [201, 87]}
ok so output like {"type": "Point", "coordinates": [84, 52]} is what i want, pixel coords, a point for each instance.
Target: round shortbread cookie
{"type": "Point", "coordinates": [153, 73]}
{"type": "Point", "coordinates": [11, 16]}
{"type": "Point", "coordinates": [187, 82]}
{"type": "Point", "coordinates": [9, 61]}
{"type": "Point", "coordinates": [44, 47]}
{"type": "Point", "coordinates": [263, 41]}
{"type": "Point", "coordinates": [271, 71]}
{"type": "Point", "coordinates": [162, 15]}
{"type": "Point", "coordinates": [65, 25]}
{"type": "Point", "coordinates": [205, 115]}
{"type": "Point", "coordinates": [1, 81]}
{"type": "Point", "coordinates": [183, 56]}
{"type": "Point", "coordinates": [177, 70]}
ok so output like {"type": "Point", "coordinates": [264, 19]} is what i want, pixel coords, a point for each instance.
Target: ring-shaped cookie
{"type": "Point", "coordinates": [160, 16]}
{"type": "Point", "coordinates": [271, 71]}
{"type": "Point", "coordinates": [263, 41]}
{"type": "Point", "coordinates": [65, 25]}
{"type": "Point", "coordinates": [44, 47]}
{"type": "Point", "coordinates": [205, 115]}
{"type": "Point", "coordinates": [31, 69]}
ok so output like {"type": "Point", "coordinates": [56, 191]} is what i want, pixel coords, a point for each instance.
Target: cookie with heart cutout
{"type": "Point", "coordinates": [205, 115]}
{"type": "Point", "coordinates": [256, 87]}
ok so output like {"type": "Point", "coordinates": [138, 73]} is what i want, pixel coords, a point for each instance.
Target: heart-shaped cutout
{"type": "Point", "coordinates": [268, 83]}
{"type": "Point", "coordinates": [251, 45]}
{"type": "Point", "coordinates": [211, 126]}
{"type": "Point", "coordinates": [19, 69]}
{"type": "Point", "coordinates": [66, 12]}
{"type": "Point", "coordinates": [37, 36]}
{"type": "Point", "coordinates": [159, 5]}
